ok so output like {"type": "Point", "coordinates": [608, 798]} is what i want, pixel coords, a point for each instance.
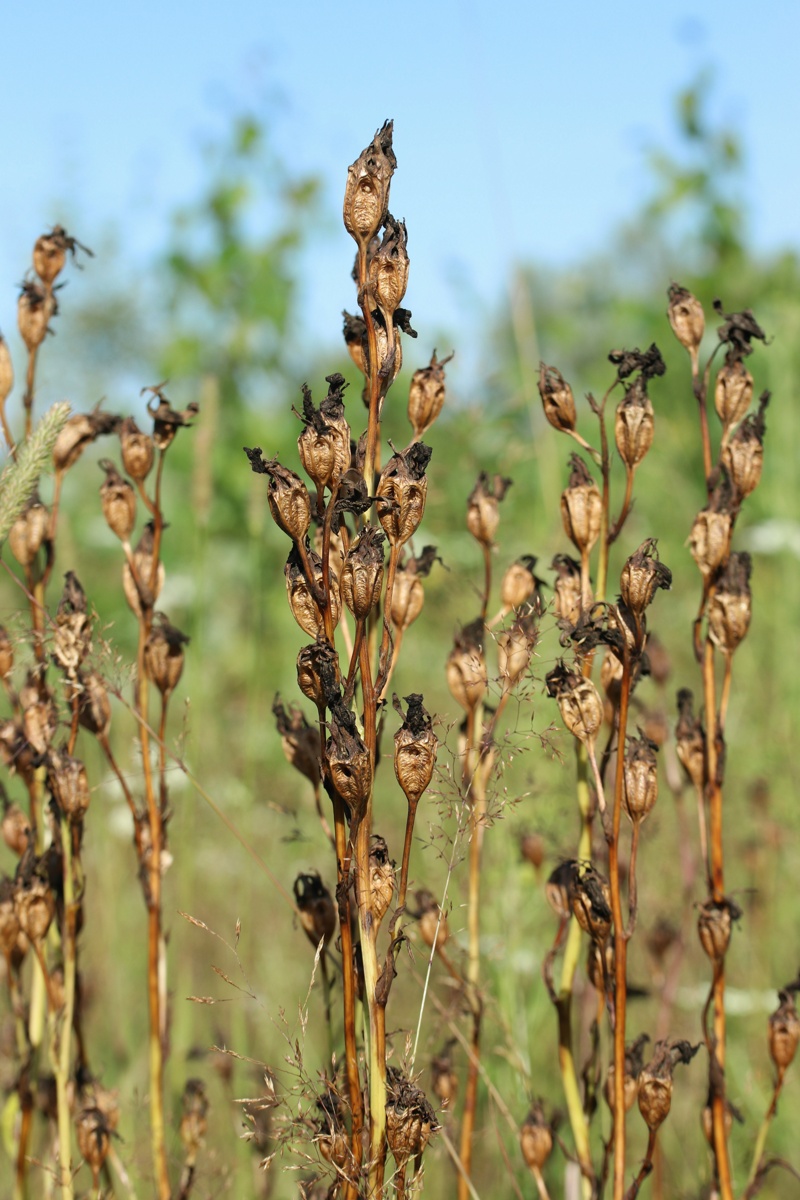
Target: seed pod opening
{"type": "Point", "coordinates": [581, 506]}
{"type": "Point", "coordinates": [167, 420]}
{"type": "Point", "coordinates": [366, 197]}
{"type": "Point", "coordinates": [50, 253]}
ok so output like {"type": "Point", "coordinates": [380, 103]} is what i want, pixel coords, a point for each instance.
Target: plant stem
{"type": "Point", "coordinates": [61, 1062]}
{"type": "Point", "coordinates": [761, 1140]}
{"type": "Point", "coordinates": [620, 940]}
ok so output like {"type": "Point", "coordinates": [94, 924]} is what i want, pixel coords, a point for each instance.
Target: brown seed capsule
{"type": "Point", "coordinates": [444, 1081]}
{"type": "Point", "coordinates": [655, 1081]}
{"type": "Point", "coordinates": [410, 1120]}
{"type": "Point", "coordinates": [709, 540]}
{"type": "Point", "coordinates": [426, 395]}
{"type": "Point", "coordinates": [6, 371]}
{"type": "Point", "coordinates": [466, 666]}
{"type": "Point", "coordinates": [634, 1054]}
{"type": "Point", "coordinates": [401, 492]}
{"type": "Point", "coordinates": [94, 707]}
{"type": "Point", "coordinates": [163, 655]}
{"type": "Point", "coordinates": [381, 878]}
{"type": "Point", "coordinates": [408, 594]}
{"type": "Point", "coordinates": [69, 784]}
{"type": "Point", "coordinates": [558, 889]}
{"type": "Point", "coordinates": [50, 253]}
{"type": "Point", "coordinates": [714, 926]}
{"type": "Point", "coordinates": [331, 1139]}
{"type": "Point", "coordinates": [733, 392]}
{"type": "Point", "coordinates": [141, 588]}
{"type": "Point", "coordinates": [784, 1032]}
{"type": "Point", "coordinates": [35, 906]}
{"type": "Point", "coordinates": [16, 827]}
{"type": "Point", "coordinates": [581, 507]}
{"type": "Point", "coordinates": [634, 425]}
{"type": "Point", "coordinates": [578, 700]}
{"type": "Point", "coordinates": [640, 777]}
{"type": "Point", "coordinates": [707, 1122]}
{"type": "Point", "coordinates": [433, 927]}
{"type": "Point", "coordinates": [348, 760]}
{"type": "Point", "coordinates": [119, 501]}
{"type": "Point", "coordinates": [536, 1138]}
{"type": "Point", "coordinates": [387, 273]}
{"type": "Point", "coordinates": [72, 639]}
{"type": "Point", "coordinates": [483, 511]}
{"type": "Point", "coordinates": [641, 577]}
{"type": "Point", "coordinates": [532, 848]}
{"type": "Point", "coordinates": [415, 746]}
{"type": "Point", "coordinates": [194, 1119]}
{"type": "Point", "coordinates": [287, 495]}
{"type": "Point", "coordinates": [36, 307]}
{"type": "Point", "coordinates": [9, 923]}
{"type": "Point", "coordinates": [366, 197]}
{"type": "Point", "coordinates": [324, 444]}
{"type": "Point", "coordinates": [362, 573]}
{"type": "Point", "coordinates": [519, 584]}
{"type": "Point", "coordinates": [687, 319]}
{"type": "Point", "coordinates": [79, 432]}
{"type": "Point", "coordinates": [94, 1140]}
{"type": "Point", "coordinates": [514, 650]}
{"type": "Point", "coordinates": [611, 672]}
{"type": "Point", "coordinates": [303, 601]}
{"type": "Point", "coordinates": [690, 739]}
{"type": "Point", "coordinates": [138, 450]}
{"type": "Point", "coordinates": [730, 605]}
{"type": "Point", "coordinates": [299, 740]}
{"type": "Point", "coordinates": [40, 722]}
{"type": "Point", "coordinates": [316, 907]}
{"type": "Point", "coordinates": [590, 900]}
{"type": "Point", "coordinates": [557, 398]}
{"type": "Point", "coordinates": [29, 532]}
{"type": "Point", "coordinates": [567, 589]}
{"type": "Point", "coordinates": [355, 337]}
{"type": "Point", "coordinates": [743, 454]}
{"type": "Point", "coordinates": [318, 672]}
{"type": "Point", "coordinates": [166, 420]}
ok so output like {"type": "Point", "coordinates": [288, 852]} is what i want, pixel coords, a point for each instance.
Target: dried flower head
{"type": "Point", "coordinates": [36, 307]}
{"type": "Point", "coordinates": [137, 449]}
{"type": "Point", "coordinates": [80, 430]}
{"type": "Point", "coordinates": [348, 761]}
{"type": "Point", "coordinates": [743, 453]}
{"type": "Point", "coordinates": [433, 926]}
{"type": "Point", "coordinates": [581, 506]}
{"type": "Point", "coordinates": [94, 1139]}
{"type": "Point", "coordinates": [50, 253]}
{"type": "Point", "coordinates": [634, 424]}
{"type": "Point", "coordinates": [784, 1030]}
{"type": "Point", "coordinates": [287, 495]}
{"type": "Point", "coordinates": [408, 594]}
{"type": "Point", "coordinates": [381, 879]}
{"type": "Point", "coordinates": [167, 420]}
{"type": "Point", "coordinates": [642, 576]}
{"type": "Point", "coordinates": [567, 589]}
{"type": "Point", "coordinates": [690, 739]}
{"type": "Point", "coordinates": [715, 924]}
{"type": "Point", "coordinates": [733, 392]}
{"type": "Point", "coordinates": [318, 674]}
{"type": "Point", "coordinates": [640, 778]}
{"type": "Point", "coordinates": [387, 271]}
{"type": "Point", "coordinates": [72, 639]}
{"type": "Point", "coordinates": [69, 784]}
{"type": "Point", "coordinates": [655, 1080]}
{"type": "Point", "coordinates": [634, 1061]}
{"type": "Point", "coordinates": [515, 648]}
{"type": "Point", "coordinates": [303, 594]}
{"type": "Point", "coordinates": [366, 197]}
{"type": "Point", "coordinates": [163, 655]}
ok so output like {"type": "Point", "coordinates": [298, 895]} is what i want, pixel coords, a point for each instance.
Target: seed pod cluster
{"type": "Point", "coordinates": [316, 907]}
{"type": "Point", "coordinates": [483, 507]}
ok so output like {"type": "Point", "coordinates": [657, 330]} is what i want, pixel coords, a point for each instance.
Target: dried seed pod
{"type": "Point", "coordinates": [408, 594]}
{"type": "Point", "coordinates": [300, 741]}
{"type": "Point", "coordinates": [50, 253]}
{"type": "Point", "coordinates": [389, 354]}
{"type": "Point", "coordinates": [15, 750]}
{"type": "Point", "coordinates": [324, 444]}
{"type": "Point", "coordinates": [36, 307]}
{"type": "Point", "coordinates": [138, 450]}
{"type": "Point", "coordinates": [483, 507]}
{"type": "Point", "coordinates": [287, 495]}
{"type": "Point", "coordinates": [730, 605]}
{"type": "Point", "coordinates": [93, 704]}
{"type": "Point", "coordinates": [318, 674]}
{"type": "Point", "coordinates": [16, 827]}
{"type": "Point", "coordinates": [655, 1081]}
{"type": "Point", "coordinates": [303, 601]}
{"type": "Point", "coordinates": [578, 700]}
{"type": "Point", "coordinates": [118, 500]}
{"type": "Point", "coordinates": [72, 639]}
{"type": "Point", "coordinates": [557, 399]}
{"type": "Point", "coordinates": [194, 1118]}
{"type": "Point", "coordinates": [29, 532]}
{"type": "Point", "coordinates": [355, 337]}
{"type": "Point", "coordinates": [640, 777]}
{"type": "Point", "coordinates": [784, 1031]}
{"type": "Point", "coordinates": [79, 432]}
{"type": "Point", "coordinates": [690, 740]}
{"type": "Point", "coordinates": [387, 272]}
{"type": "Point", "coordinates": [581, 506]}
{"type": "Point", "coordinates": [69, 785]}
{"type": "Point", "coordinates": [9, 923]}
{"type": "Point", "coordinates": [514, 650]}
{"type": "Point", "coordinates": [433, 927]}
{"type": "Point", "coordinates": [6, 371]}
{"type": "Point", "coordinates": [35, 906]}
{"type": "Point", "coordinates": [466, 666]}
{"type": "Point", "coordinates": [641, 577]}
{"type": "Point", "coordinates": [687, 319]}
{"type": "Point", "coordinates": [709, 540]}
{"type": "Point", "coordinates": [611, 671]}
{"type": "Point", "coordinates": [444, 1080]}
{"type": "Point", "coordinates": [532, 848]}
{"type": "Point", "coordinates": [707, 1121]}
{"type": "Point", "coordinates": [590, 900]}
{"type": "Point", "coordinates": [140, 588]}
{"type": "Point", "coordinates": [166, 420]}
{"type": "Point", "coordinates": [163, 655]}
{"type": "Point", "coordinates": [733, 392]}
{"type": "Point", "coordinates": [743, 454]}
{"type": "Point", "coordinates": [415, 746]}
{"type": "Point", "coordinates": [558, 889]}
{"type": "Point", "coordinates": [634, 1055]}
{"type": "Point", "coordinates": [6, 653]}
{"type": "Point", "coordinates": [536, 1137]}
{"type": "Point", "coordinates": [94, 1140]}
{"type": "Point", "coordinates": [714, 926]}
{"type": "Point", "coordinates": [568, 589]}
{"type": "Point", "coordinates": [410, 1120]}
{"type": "Point", "coordinates": [600, 961]}
{"type": "Point", "coordinates": [39, 723]}
{"type": "Point", "coordinates": [659, 660]}
{"type": "Point", "coordinates": [331, 1138]}
{"type": "Point", "coordinates": [316, 907]}
{"type": "Point", "coordinates": [366, 197]}
{"type": "Point", "coordinates": [634, 424]}
{"type": "Point", "coordinates": [362, 573]}
{"type": "Point", "coordinates": [520, 585]}
{"type": "Point", "coordinates": [381, 878]}
{"type": "Point", "coordinates": [401, 492]}
{"type": "Point", "coordinates": [348, 761]}
{"type": "Point", "coordinates": [426, 395]}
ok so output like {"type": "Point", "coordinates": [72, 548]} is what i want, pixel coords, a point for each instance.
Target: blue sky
{"type": "Point", "coordinates": [520, 129]}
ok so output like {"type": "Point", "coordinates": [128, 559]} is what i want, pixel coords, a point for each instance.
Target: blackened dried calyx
{"type": "Point", "coordinates": [738, 332]}
{"type": "Point", "coordinates": [649, 362]}
{"type": "Point", "coordinates": [417, 719]}
{"type": "Point", "coordinates": [332, 407]}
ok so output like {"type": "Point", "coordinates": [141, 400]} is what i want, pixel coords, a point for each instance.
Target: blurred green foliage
{"type": "Point", "coordinates": [224, 331]}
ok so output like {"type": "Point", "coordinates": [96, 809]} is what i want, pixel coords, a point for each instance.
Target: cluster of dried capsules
{"type": "Point", "coordinates": [356, 603]}
{"type": "Point", "coordinates": [42, 906]}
